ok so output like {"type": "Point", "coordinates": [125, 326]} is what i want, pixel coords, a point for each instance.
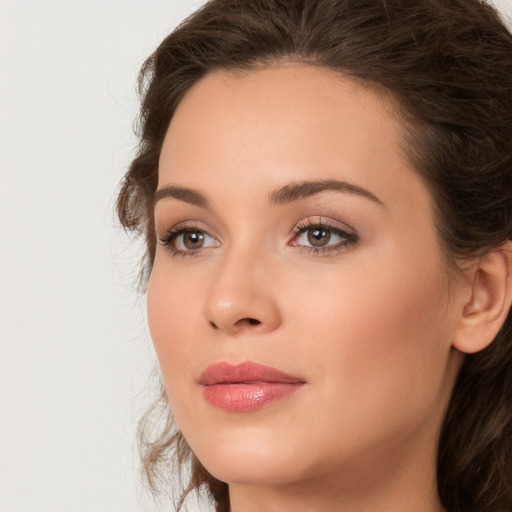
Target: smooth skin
{"type": "Point", "coordinates": [343, 287]}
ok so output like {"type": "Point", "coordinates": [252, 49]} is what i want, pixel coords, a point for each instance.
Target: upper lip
{"type": "Point", "coordinates": [247, 372]}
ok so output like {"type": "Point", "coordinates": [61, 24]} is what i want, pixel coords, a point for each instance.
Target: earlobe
{"type": "Point", "coordinates": [491, 296]}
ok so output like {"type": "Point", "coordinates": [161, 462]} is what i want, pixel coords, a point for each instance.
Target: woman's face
{"type": "Point", "coordinates": [294, 234]}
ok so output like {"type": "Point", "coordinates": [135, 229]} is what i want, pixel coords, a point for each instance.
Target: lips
{"type": "Point", "coordinates": [246, 386]}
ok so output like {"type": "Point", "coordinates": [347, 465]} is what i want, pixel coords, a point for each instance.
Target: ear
{"type": "Point", "coordinates": [491, 296]}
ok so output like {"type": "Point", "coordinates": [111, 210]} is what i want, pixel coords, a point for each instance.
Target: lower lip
{"type": "Point", "coordinates": [247, 397]}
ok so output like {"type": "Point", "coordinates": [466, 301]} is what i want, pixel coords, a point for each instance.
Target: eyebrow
{"type": "Point", "coordinates": [182, 194]}
{"type": "Point", "coordinates": [294, 191]}
{"type": "Point", "coordinates": [286, 194]}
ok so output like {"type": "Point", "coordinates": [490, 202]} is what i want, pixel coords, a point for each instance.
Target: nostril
{"type": "Point", "coordinates": [212, 324]}
{"type": "Point", "coordinates": [244, 322]}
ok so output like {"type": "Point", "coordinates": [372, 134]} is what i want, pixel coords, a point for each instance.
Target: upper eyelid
{"type": "Point", "coordinates": [188, 225]}
{"type": "Point", "coordinates": [308, 222]}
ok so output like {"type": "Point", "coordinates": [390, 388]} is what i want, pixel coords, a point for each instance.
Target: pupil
{"type": "Point", "coordinates": [318, 237]}
{"type": "Point", "coordinates": [193, 239]}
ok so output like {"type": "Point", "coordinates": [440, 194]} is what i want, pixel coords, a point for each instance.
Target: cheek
{"type": "Point", "coordinates": [381, 338]}
{"type": "Point", "coordinates": [173, 308]}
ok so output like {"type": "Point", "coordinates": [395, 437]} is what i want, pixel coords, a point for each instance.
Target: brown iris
{"type": "Point", "coordinates": [193, 239]}
{"type": "Point", "coordinates": [318, 236]}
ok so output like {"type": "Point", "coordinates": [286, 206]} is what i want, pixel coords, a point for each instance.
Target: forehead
{"type": "Point", "coordinates": [283, 123]}
{"type": "Point", "coordinates": [277, 96]}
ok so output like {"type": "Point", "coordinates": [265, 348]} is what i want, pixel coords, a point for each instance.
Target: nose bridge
{"type": "Point", "coordinates": [240, 298]}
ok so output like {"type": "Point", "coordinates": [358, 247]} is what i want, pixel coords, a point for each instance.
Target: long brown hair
{"type": "Point", "coordinates": [447, 64]}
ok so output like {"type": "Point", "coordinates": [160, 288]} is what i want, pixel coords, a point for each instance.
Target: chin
{"type": "Point", "coordinates": [252, 460]}
{"type": "Point", "coordinates": [253, 472]}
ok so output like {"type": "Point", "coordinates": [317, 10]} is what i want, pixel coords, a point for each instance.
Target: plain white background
{"type": "Point", "coordinates": [75, 356]}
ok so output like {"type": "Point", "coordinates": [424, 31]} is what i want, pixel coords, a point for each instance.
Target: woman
{"type": "Point", "coordinates": [325, 191]}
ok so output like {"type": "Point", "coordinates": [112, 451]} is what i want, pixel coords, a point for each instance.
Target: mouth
{"type": "Point", "coordinates": [246, 386]}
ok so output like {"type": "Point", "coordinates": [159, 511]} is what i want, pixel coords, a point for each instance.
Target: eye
{"type": "Point", "coordinates": [320, 236]}
{"type": "Point", "coordinates": [188, 239]}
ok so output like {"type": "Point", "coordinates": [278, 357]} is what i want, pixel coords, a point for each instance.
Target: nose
{"type": "Point", "coordinates": [241, 298]}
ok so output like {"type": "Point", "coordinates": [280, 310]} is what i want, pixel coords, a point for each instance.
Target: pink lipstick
{"type": "Point", "coordinates": [246, 386]}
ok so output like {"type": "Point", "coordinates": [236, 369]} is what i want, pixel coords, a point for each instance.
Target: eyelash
{"type": "Point", "coordinates": [173, 233]}
{"type": "Point", "coordinates": [302, 227]}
